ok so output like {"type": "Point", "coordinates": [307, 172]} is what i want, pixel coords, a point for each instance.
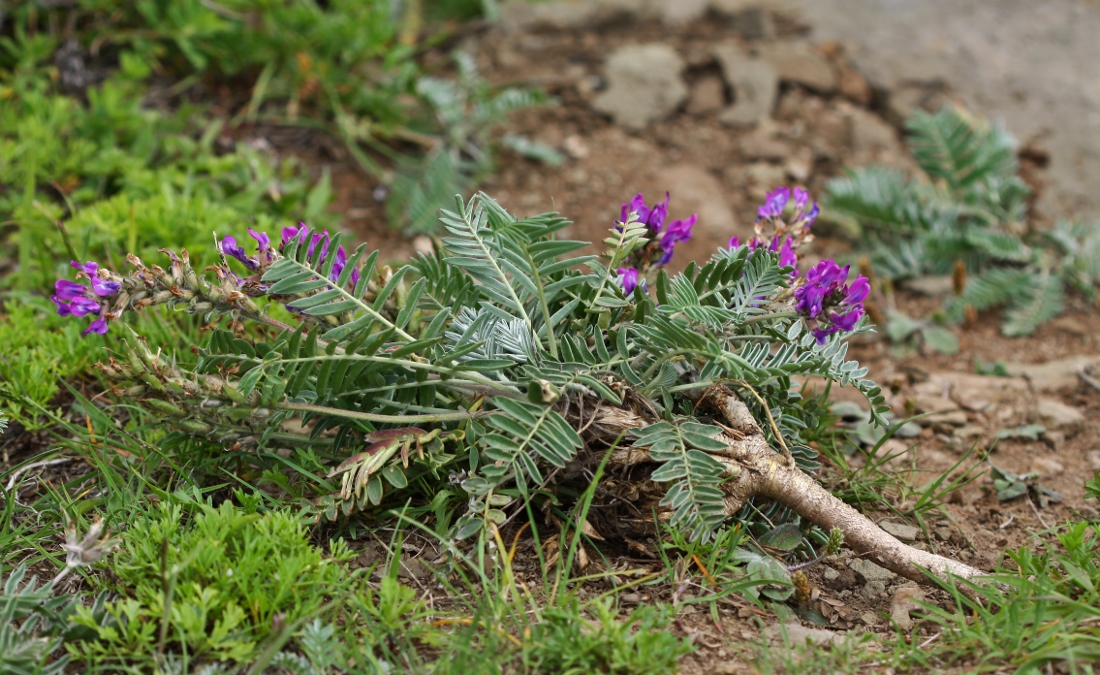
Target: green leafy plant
{"type": "Point", "coordinates": [903, 329]}
{"type": "Point", "coordinates": [466, 109]}
{"type": "Point", "coordinates": [30, 622]}
{"type": "Point", "coordinates": [565, 642]}
{"type": "Point", "coordinates": [968, 207]}
{"type": "Point", "coordinates": [1042, 610]}
{"type": "Point", "coordinates": [210, 584]}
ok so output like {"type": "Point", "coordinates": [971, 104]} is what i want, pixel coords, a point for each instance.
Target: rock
{"type": "Point", "coordinates": [754, 23]}
{"type": "Point", "coordinates": [754, 82]}
{"type": "Point", "coordinates": [902, 602]}
{"type": "Point", "coordinates": [977, 392]}
{"type": "Point", "coordinates": [1054, 439]}
{"type": "Point", "coordinates": [831, 134]}
{"type": "Point", "coordinates": [969, 431]}
{"type": "Point", "coordinates": [934, 404]}
{"type": "Point", "coordinates": [731, 8]}
{"type": "Point", "coordinates": [868, 571]}
{"type": "Point", "coordinates": [869, 618]}
{"type": "Point", "coordinates": [521, 15]}
{"type": "Point", "coordinates": [875, 141]}
{"type": "Point", "coordinates": [798, 63]}
{"type": "Point", "coordinates": [839, 580]}
{"type": "Point", "coordinates": [932, 286]}
{"type": "Point", "coordinates": [1058, 416]}
{"type": "Point", "coordinates": [901, 531]}
{"type": "Point", "coordinates": [900, 454]}
{"type": "Point", "coordinates": [854, 86]}
{"type": "Point", "coordinates": [873, 589]}
{"type": "Point", "coordinates": [707, 95]}
{"type": "Point", "coordinates": [908, 97]}
{"type": "Point", "coordinates": [799, 167]}
{"type": "Point", "coordinates": [797, 634]}
{"type": "Point", "coordinates": [422, 244]}
{"type": "Point", "coordinates": [697, 191]}
{"type": "Point", "coordinates": [679, 12]}
{"type": "Point", "coordinates": [943, 421]}
{"type": "Point", "coordinates": [1052, 375]}
{"type": "Point", "coordinates": [1093, 456]}
{"type": "Point", "coordinates": [1071, 325]}
{"type": "Point", "coordinates": [763, 177]}
{"type": "Point", "coordinates": [1047, 467]}
{"type": "Point", "coordinates": [644, 85]}
{"type": "Point", "coordinates": [760, 144]}
{"type": "Point", "coordinates": [575, 147]}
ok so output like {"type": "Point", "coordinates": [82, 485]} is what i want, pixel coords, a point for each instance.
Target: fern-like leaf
{"type": "Point", "coordinates": [696, 501]}
{"type": "Point", "coordinates": [1042, 302]}
{"type": "Point", "coordinates": [960, 149]}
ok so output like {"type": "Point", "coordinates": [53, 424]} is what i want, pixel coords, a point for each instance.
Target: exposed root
{"type": "Point", "coordinates": [756, 470]}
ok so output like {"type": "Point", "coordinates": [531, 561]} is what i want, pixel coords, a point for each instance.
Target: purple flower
{"type": "Point", "coordinates": [102, 287]}
{"type": "Point", "coordinates": [801, 197]}
{"type": "Point", "coordinates": [787, 256]}
{"type": "Point", "coordinates": [338, 265]}
{"type": "Point", "coordinates": [653, 217]}
{"type": "Point", "coordinates": [323, 238]}
{"type": "Point", "coordinates": [90, 268]}
{"type": "Point", "coordinates": [630, 279]}
{"type": "Point", "coordinates": [806, 220]}
{"type": "Point", "coordinates": [83, 307]}
{"type": "Point", "coordinates": [99, 327]}
{"type": "Point", "coordinates": [69, 290]}
{"type": "Point", "coordinates": [263, 242]}
{"type": "Point", "coordinates": [774, 203]}
{"type": "Point", "coordinates": [828, 302]}
{"type": "Point", "coordinates": [230, 248]}
{"type": "Point", "coordinates": [62, 306]}
{"type": "Point", "coordinates": [299, 232]}
{"type": "Point", "coordinates": [678, 230]}
{"type": "Point", "coordinates": [76, 306]}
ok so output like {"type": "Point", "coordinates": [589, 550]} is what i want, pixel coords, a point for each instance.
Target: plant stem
{"type": "Point", "coordinates": [385, 419]}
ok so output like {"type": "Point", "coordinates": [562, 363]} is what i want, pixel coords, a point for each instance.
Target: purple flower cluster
{"type": "Point", "coordinates": [301, 233]}
{"type": "Point", "coordinates": [785, 235]}
{"type": "Point", "coordinates": [631, 278]}
{"type": "Point", "coordinates": [676, 231]}
{"type": "Point", "coordinates": [776, 203]}
{"type": "Point", "coordinates": [77, 299]}
{"type": "Point", "coordinates": [787, 256]}
{"type": "Point", "coordinates": [74, 299]}
{"type": "Point", "coordinates": [827, 300]}
{"type": "Point", "coordinates": [265, 254]}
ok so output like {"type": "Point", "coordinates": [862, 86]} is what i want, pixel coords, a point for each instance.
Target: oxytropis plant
{"type": "Point", "coordinates": [506, 365]}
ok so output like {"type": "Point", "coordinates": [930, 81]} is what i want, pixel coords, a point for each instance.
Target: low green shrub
{"type": "Point", "coordinates": [211, 584]}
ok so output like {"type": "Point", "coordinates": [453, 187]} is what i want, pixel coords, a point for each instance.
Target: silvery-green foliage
{"type": "Point", "coordinates": [969, 205]}
{"type": "Point", "coordinates": [466, 109]}
{"type": "Point", "coordinates": [34, 623]}
{"type": "Point", "coordinates": [474, 370]}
